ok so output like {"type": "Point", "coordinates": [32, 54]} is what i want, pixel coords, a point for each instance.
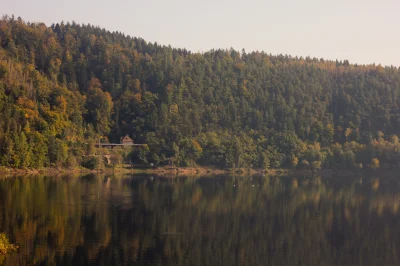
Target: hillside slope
{"type": "Point", "coordinates": [64, 87]}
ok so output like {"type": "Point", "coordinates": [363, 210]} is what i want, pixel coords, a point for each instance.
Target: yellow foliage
{"type": "Point", "coordinates": [295, 161]}
{"type": "Point", "coordinates": [138, 97]}
{"type": "Point", "coordinates": [5, 246]}
{"type": "Point", "coordinates": [295, 183]}
{"type": "Point", "coordinates": [375, 163]}
{"type": "Point", "coordinates": [25, 103]}
{"type": "Point", "coordinates": [68, 56]}
{"type": "Point", "coordinates": [174, 109]}
{"type": "Point", "coordinates": [239, 66]}
{"type": "Point", "coordinates": [375, 184]}
{"type": "Point", "coordinates": [196, 196]}
{"type": "Point", "coordinates": [136, 56]}
{"type": "Point", "coordinates": [347, 132]}
{"type": "Point", "coordinates": [62, 103]}
{"type": "Point", "coordinates": [170, 88]}
{"type": "Point", "coordinates": [28, 107]}
{"type": "Point", "coordinates": [52, 43]}
{"type": "Point", "coordinates": [136, 85]}
{"type": "Point", "coordinates": [197, 146]}
{"type": "Point", "coordinates": [55, 63]}
{"type": "Point", "coordinates": [315, 146]}
{"type": "Point", "coordinates": [380, 69]}
{"type": "Point", "coordinates": [244, 88]}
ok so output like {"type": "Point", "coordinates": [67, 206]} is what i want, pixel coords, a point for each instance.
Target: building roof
{"type": "Point", "coordinates": [126, 139]}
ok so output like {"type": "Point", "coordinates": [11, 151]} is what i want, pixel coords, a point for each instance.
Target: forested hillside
{"type": "Point", "coordinates": [64, 87]}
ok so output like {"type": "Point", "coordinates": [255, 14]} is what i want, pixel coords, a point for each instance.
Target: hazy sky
{"type": "Point", "coordinates": [362, 31]}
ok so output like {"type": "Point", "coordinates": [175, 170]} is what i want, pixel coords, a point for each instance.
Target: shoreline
{"type": "Point", "coordinates": [172, 171]}
{"type": "Point", "coordinates": [164, 170]}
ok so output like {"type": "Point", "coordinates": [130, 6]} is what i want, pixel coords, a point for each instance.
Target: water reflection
{"type": "Point", "coordinates": [110, 220]}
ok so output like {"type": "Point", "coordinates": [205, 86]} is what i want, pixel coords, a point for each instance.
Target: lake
{"type": "Point", "coordinates": [222, 220]}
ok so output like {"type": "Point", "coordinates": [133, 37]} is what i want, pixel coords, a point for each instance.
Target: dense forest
{"type": "Point", "coordinates": [65, 87]}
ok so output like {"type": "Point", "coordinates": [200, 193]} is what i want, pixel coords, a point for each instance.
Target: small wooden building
{"type": "Point", "coordinates": [126, 140]}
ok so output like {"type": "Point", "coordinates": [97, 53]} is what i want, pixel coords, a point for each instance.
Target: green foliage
{"type": "Point", "coordinates": [57, 151]}
{"type": "Point", "coordinates": [71, 161]}
{"type": "Point", "coordinates": [92, 163]}
{"type": "Point", "coordinates": [80, 84]}
{"type": "Point", "coordinates": [140, 154]}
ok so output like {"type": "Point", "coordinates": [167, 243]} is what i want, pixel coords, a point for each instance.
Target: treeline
{"type": "Point", "coordinates": [65, 87]}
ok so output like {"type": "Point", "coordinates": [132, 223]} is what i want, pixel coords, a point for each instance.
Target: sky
{"type": "Point", "coordinates": [361, 31]}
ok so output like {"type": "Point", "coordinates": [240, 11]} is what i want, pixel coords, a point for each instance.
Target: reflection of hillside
{"type": "Point", "coordinates": [206, 221]}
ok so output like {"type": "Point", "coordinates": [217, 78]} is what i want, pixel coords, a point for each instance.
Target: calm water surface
{"type": "Point", "coordinates": [135, 220]}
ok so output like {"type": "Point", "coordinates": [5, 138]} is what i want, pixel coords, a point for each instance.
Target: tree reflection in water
{"type": "Point", "coordinates": [109, 220]}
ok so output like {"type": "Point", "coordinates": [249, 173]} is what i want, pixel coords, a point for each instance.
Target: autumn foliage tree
{"type": "Point", "coordinates": [63, 87]}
